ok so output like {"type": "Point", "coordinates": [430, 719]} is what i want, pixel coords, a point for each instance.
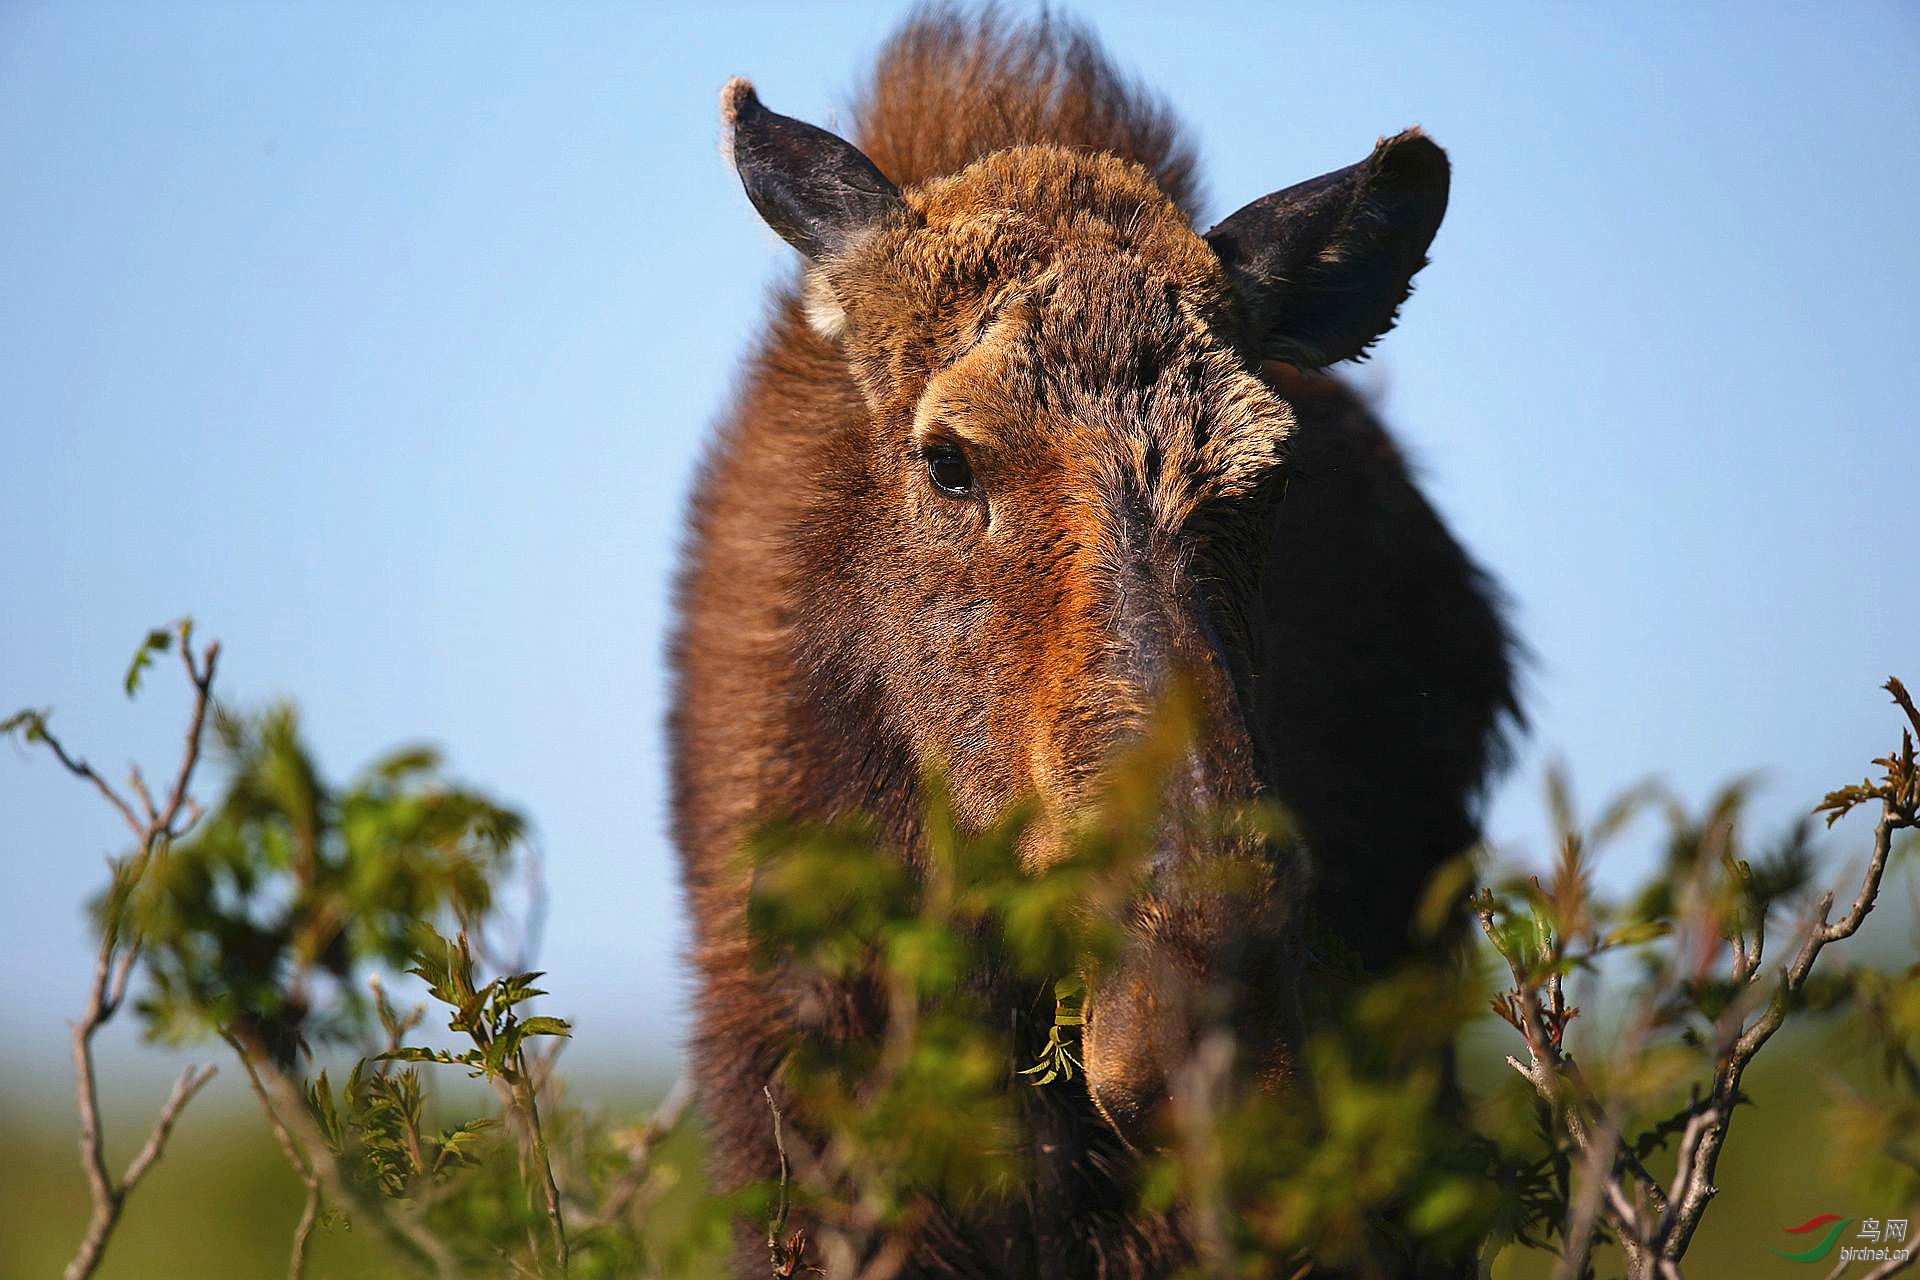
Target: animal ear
{"type": "Point", "coordinates": [817, 190]}
{"type": "Point", "coordinates": [1323, 267]}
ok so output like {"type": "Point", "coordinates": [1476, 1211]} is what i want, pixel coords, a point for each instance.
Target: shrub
{"type": "Point", "coordinates": [269, 921]}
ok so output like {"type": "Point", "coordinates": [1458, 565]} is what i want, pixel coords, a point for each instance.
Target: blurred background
{"type": "Point", "coordinates": [383, 342]}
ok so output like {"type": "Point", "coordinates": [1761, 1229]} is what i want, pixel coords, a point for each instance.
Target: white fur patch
{"type": "Point", "coordinates": [823, 309]}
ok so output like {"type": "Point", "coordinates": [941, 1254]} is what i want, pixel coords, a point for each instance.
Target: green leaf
{"type": "Point", "coordinates": [157, 641]}
{"type": "Point", "coordinates": [31, 725]}
{"type": "Point", "coordinates": [416, 1053]}
{"type": "Point", "coordinates": [406, 763]}
{"type": "Point", "coordinates": [500, 1049]}
{"type": "Point", "coordinates": [454, 1143]}
{"type": "Point", "coordinates": [320, 1103]}
{"type": "Point", "coordinates": [544, 1026]}
{"type": "Point", "coordinates": [1633, 935]}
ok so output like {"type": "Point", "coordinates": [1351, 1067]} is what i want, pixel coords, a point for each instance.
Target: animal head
{"type": "Point", "coordinates": [1055, 510]}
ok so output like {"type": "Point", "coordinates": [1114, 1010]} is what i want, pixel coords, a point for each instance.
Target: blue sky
{"type": "Point", "coordinates": [383, 343]}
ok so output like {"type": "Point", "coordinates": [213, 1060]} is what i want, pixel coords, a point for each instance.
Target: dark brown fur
{"type": "Point", "coordinates": [1159, 499]}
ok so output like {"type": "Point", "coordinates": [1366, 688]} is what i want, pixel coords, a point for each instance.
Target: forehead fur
{"type": "Point", "coordinates": [1049, 301]}
{"type": "Point", "coordinates": [1031, 203]}
{"type": "Point", "coordinates": [1012, 215]}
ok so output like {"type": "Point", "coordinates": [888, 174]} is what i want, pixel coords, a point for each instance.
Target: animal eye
{"type": "Point", "coordinates": [947, 468]}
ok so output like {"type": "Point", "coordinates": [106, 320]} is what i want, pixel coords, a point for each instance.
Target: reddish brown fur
{"type": "Point", "coordinates": [1049, 306]}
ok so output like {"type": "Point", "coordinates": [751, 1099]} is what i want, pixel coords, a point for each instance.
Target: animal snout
{"type": "Point", "coordinates": [1141, 1029]}
{"type": "Point", "coordinates": [1195, 974]}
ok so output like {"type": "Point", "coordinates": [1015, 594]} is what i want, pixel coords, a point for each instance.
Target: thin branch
{"type": "Point", "coordinates": [81, 769]}
{"type": "Point", "coordinates": [303, 1231]}
{"type": "Point", "coordinates": [202, 678]}
{"type": "Point", "coordinates": [87, 1095]}
{"type": "Point", "coordinates": [191, 1082]}
{"type": "Point", "coordinates": [301, 1165]}
{"type": "Point", "coordinates": [108, 1199]}
{"type": "Point", "coordinates": [561, 1249]}
{"type": "Point", "coordinates": [113, 971]}
{"type": "Point", "coordinates": [122, 975]}
{"type": "Point", "coordinates": [139, 785]}
{"type": "Point", "coordinates": [1699, 1159]}
{"type": "Point", "coordinates": [626, 1187]}
{"type": "Point", "coordinates": [1891, 1267]}
{"type": "Point", "coordinates": [777, 1227]}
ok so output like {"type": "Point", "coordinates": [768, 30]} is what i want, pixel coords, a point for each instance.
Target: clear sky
{"type": "Point", "coordinates": [383, 343]}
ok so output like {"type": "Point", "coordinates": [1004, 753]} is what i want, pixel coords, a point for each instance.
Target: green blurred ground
{"type": "Point", "coordinates": [1777, 1170]}
{"type": "Point", "coordinates": [222, 1204]}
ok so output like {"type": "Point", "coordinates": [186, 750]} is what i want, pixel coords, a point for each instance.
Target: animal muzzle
{"type": "Point", "coordinates": [1208, 957]}
{"type": "Point", "coordinates": [1202, 968]}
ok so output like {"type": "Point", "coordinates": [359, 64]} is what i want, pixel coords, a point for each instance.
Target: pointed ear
{"type": "Point", "coordinates": [815, 189]}
{"type": "Point", "coordinates": [1322, 267]}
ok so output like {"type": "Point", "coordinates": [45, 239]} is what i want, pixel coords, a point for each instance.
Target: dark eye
{"type": "Point", "coordinates": [947, 468]}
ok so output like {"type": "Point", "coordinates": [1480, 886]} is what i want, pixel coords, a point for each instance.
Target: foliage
{"type": "Point", "coordinates": [268, 923]}
{"type": "Point", "coordinates": [1056, 1057]}
{"type": "Point", "coordinates": [1668, 1076]}
{"type": "Point", "coordinates": [289, 883]}
{"type": "Point", "coordinates": [1373, 1162]}
{"type": "Point", "coordinates": [277, 921]}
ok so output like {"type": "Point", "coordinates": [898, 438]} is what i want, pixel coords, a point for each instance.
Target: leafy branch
{"type": "Point", "coordinates": [1707, 912]}
{"type": "Point", "coordinates": [486, 1015]}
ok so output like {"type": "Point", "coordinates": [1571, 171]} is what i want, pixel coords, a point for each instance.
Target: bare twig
{"type": "Point", "coordinates": [191, 1081]}
{"type": "Point", "coordinates": [627, 1186]}
{"type": "Point", "coordinates": [776, 1228]}
{"type": "Point", "coordinates": [1891, 1267]}
{"type": "Point", "coordinates": [303, 1231]}
{"type": "Point", "coordinates": [109, 1199]}
{"type": "Point", "coordinates": [82, 770]}
{"type": "Point", "coordinates": [1200, 1092]}
{"type": "Point", "coordinates": [116, 959]}
{"type": "Point", "coordinates": [202, 678]}
{"type": "Point", "coordinates": [139, 785]}
{"type": "Point", "coordinates": [302, 1166]}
